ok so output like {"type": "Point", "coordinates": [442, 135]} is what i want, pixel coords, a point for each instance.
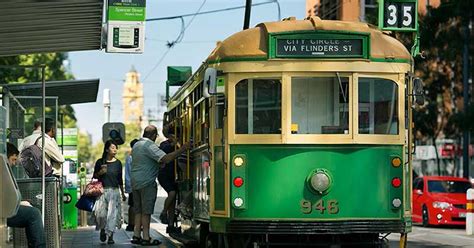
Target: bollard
{"type": "Point", "coordinates": [470, 212]}
{"type": "Point", "coordinates": [82, 182]}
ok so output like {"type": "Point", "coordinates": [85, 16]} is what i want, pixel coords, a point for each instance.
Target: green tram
{"type": "Point", "coordinates": [301, 132]}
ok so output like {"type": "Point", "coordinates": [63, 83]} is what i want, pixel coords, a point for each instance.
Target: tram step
{"type": "Point", "coordinates": [185, 239]}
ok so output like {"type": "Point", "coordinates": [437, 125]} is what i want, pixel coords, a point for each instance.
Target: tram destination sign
{"type": "Point", "coordinates": [319, 47]}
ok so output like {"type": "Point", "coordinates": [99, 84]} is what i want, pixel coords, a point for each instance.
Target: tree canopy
{"type": "Point", "coordinates": [442, 40]}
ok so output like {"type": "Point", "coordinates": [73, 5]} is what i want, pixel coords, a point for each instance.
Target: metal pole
{"type": "Point", "coordinates": [106, 102]}
{"type": "Point", "coordinates": [248, 7]}
{"type": "Point", "coordinates": [62, 132]}
{"type": "Point", "coordinates": [43, 117]}
{"type": "Point", "coordinates": [465, 79]}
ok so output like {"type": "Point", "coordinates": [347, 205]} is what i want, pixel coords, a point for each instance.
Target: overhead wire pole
{"type": "Point", "coordinates": [465, 76]}
{"type": "Point", "coordinates": [248, 8]}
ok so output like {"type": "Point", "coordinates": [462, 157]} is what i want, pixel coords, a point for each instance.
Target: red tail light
{"type": "Point", "coordinates": [396, 182]}
{"type": "Point", "coordinates": [238, 181]}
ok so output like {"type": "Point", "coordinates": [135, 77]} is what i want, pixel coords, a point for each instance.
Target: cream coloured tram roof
{"type": "Point", "coordinates": [254, 42]}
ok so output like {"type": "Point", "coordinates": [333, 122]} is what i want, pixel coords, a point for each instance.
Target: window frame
{"type": "Point", "coordinates": [317, 138]}
{"type": "Point", "coordinates": [234, 79]}
{"type": "Point", "coordinates": [286, 137]}
{"type": "Point", "coordinates": [381, 138]}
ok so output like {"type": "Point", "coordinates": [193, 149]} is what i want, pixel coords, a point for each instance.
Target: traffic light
{"type": "Point", "coordinates": [114, 131]}
{"type": "Point", "coordinates": [82, 172]}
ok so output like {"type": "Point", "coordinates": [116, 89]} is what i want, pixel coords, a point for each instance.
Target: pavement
{"type": "Point", "coordinates": [446, 237]}
{"type": "Point", "coordinates": [88, 237]}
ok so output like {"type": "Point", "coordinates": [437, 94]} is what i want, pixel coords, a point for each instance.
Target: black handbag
{"type": "Point", "coordinates": [86, 203]}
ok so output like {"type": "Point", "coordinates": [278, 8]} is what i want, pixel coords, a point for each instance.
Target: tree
{"type": "Point", "coordinates": [441, 69]}
{"type": "Point", "coordinates": [54, 70]}
{"type": "Point", "coordinates": [84, 146]}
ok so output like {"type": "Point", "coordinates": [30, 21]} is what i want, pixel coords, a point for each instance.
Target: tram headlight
{"type": "Point", "coordinates": [442, 205]}
{"type": "Point", "coordinates": [238, 161]}
{"type": "Point", "coordinates": [320, 181]}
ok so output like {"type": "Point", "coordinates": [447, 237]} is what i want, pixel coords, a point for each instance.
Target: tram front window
{"type": "Point", "coordinates": [378, 106]}
{"type": "Point", "coordinates": [320, 105]}
{"type": "Point", "coordinates": [258, 106]}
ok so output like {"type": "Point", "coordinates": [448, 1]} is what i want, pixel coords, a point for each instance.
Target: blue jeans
{"type": "Point", "coordinates": [30, 219]}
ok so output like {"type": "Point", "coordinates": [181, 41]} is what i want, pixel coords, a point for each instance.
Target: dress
{"type": "Point", "coordinates": [108, 207]}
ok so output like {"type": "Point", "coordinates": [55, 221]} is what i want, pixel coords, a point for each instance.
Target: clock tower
{"type": "Point", "coordinates": [132, 98]}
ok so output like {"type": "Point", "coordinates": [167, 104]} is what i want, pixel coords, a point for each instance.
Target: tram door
{"type": "Point", "coordinates": [217, 148]}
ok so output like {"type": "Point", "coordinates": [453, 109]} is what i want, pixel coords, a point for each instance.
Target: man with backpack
{"type": "Point", "coordinates": [30, 155]}
{"type": "Point", "coordinates": [30, 140]}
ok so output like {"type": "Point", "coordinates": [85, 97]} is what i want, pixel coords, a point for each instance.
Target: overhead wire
{"type": "Point", "coordinates": [216, 11]}
{"type": "Point", "coordinates": [171, 44]}
{"type": "Point", "coordinates": [177, 40]}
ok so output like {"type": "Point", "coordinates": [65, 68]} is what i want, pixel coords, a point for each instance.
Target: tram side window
{"type": "Point", "coordinates": [258, 106]}
{"type": "Point", "coordinates": [378, 106]}
{"type": "Point", "coordinates": [320, 105]}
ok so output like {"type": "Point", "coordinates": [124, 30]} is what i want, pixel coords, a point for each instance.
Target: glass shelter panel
{"type": "Point", "coordinates": [378, 106]}
{"type": "Point", "coordinates": [25, 110]}
{"type": "Point", "coordinates": [320, 105]}
{"type": "Point", "coordinates": [258, 106]}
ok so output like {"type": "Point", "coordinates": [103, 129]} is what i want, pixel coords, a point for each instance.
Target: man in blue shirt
{"type": "Point", "coordinates": [147, 160]}
{"type": "Point", "coordinates": [128, 188]}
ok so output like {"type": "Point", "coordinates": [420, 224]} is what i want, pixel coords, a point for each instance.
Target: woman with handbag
{"type": "Point", "coordinates": [108, 208]}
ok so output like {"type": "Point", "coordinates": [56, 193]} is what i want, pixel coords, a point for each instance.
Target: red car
{"type": "Point", "coordinates": [440, 200]}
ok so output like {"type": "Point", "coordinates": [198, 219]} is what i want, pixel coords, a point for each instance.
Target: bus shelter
{"type": "Point", "coordinates": [24, 104]}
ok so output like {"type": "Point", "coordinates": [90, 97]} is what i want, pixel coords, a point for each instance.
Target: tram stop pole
{"type": "Point", "coordinates": [470, 212]}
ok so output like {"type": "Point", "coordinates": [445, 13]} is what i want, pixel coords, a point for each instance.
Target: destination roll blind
{"type": "Point", "coordinates": [322, 47]}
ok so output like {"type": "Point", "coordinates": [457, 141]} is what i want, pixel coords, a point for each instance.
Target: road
{"type": "Point", "coordinates": [446, 237]}
{"type": "Point", "coordinates": [420, 237]}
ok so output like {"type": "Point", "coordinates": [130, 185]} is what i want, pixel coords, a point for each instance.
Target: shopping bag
{"type": "Point", "coordinates": [94, 189]}
{"type": "Point", "coordinates": [86, 203]}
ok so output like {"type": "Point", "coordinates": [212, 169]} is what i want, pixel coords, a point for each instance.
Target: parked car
{"type": "Point", "coordinates": [440, 200]}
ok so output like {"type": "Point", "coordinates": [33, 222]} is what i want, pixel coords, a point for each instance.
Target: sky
{"type": "Point", "coordinates": [199, 40]}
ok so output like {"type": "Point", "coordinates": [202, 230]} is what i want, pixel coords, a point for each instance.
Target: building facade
{"type": "Point", "coordinates": [353, 10]}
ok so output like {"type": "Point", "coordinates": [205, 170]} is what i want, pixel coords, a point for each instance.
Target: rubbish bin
{"type": "Point", "coordinates": [31, 191]}
{"type": "Point", "coordinates": [69, 207]}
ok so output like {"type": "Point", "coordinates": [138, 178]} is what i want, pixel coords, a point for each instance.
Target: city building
{"type": "Point", "coordinates": [353, 10]}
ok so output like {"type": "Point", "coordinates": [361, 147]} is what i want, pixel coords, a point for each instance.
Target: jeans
{"type": "Point", "coordinates": [30, 219]}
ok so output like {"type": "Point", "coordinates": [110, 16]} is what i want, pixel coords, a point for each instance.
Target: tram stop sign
{"type": "Point", "coordinates": [113, 131]}
{"type": "Point", "coordinates": [398, 15]}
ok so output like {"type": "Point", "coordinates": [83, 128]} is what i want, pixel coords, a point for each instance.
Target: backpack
{"type": "Point", "coordinates": [31, 160]}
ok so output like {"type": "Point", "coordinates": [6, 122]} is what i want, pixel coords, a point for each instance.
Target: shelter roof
{"type": "Point", "coordinates": [68, 91]}
{"type": "Point", "coordinates": [33, 26]}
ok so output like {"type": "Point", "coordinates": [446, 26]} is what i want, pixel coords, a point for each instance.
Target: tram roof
{"type": "Point", "coordinates": [253, 42]}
